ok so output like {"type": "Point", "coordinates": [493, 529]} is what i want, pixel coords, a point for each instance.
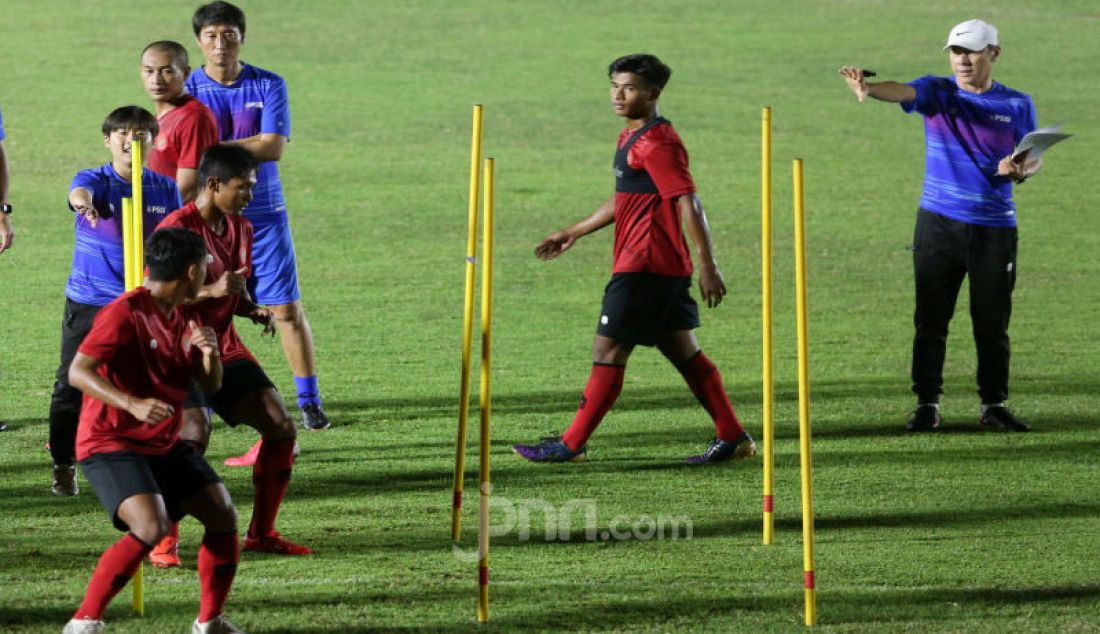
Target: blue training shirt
{"type": "Point", "coordinates": [1, 125]}
{"type": "Point", "coordinates": [966, 135]}
{"type": "Point", "coordinates": [254, 104]}
{"type": "Point", "coordinates": [97, 276]}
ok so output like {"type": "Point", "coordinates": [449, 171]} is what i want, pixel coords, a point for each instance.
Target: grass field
{"type": "Point", "coordinates": [956, 531]}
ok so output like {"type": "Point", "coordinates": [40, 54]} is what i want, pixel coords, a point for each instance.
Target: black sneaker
{"type": "Point", "coordinates": [1001, 419]}
{"type": "Point", "coordinates": [313, 417]}
{"type": "Point", "coordinates": [925, 418]}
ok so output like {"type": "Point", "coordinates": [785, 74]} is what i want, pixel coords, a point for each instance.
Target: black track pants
{"type": "Point", "coordinates": [944, 252]}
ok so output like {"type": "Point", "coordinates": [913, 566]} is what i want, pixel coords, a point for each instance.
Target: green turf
{"type": "Point", "coordinates": [959, 531]}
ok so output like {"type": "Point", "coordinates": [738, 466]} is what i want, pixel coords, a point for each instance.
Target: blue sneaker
{"type": "Point", "coordinates": [724, 451]}
{"type": "Point", "coordinates": [551, 449]}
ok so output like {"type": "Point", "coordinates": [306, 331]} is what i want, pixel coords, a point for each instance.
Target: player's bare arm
{"type": "Point", "coordinates": [560, 241]}
{"type": "Point", "coordinates": [230, 283]}
{"type": "Point", "coordinates": [258, 314]}
{"type": "Point", "coordinates": [890, 91]}
{"type": "Point", "coordinates": [83, 376]}
{"type": "Point", "coordinates": [81, 201]}
{"type": "Point", "coordinates": [6, 233]}
{"type": "Point", "coordinates": [712, 287]}
{"type": "Point", "coordinates": [187, 180]}
{"type": "Point", "coordinates": [208, 374]}
{"type": "Point", "coordinates": [267, 146]}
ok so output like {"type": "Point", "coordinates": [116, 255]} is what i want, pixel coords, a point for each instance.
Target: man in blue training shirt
{"type": "Point", "coordinates": [96, 279]}
{"type": "Point", "coordinates": [251, 108]}
{"type": "Point", "coordinates": [966, 224]}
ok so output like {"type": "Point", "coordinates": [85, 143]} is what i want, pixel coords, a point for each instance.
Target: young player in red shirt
{"type": "Point", "coordinates": [647, 301]}
{"type": "Point", "coordinates": [187, 126]}
{"type": "Point", "coordinates": [135, 368]}
{"type": "Point", "coordinates": [227, 174]}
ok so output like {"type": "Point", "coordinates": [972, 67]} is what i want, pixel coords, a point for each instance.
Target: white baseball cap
{"type": "Point", "coordinates": [973, 35]}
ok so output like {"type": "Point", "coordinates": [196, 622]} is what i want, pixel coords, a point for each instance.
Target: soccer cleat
{"type": "Point", "coordinates": [64, 480]}
{"type": "Point", "coordinates": [925, 418]}
{"type": "Point", "coordinates": [166, 554]}
{"type": "Point", "coordinates": [274, 544]}
{"type": "Point", "coordinates": [217, 625]}
{"type": "Point", "coordinates": [1001, 419]}
{"type": "Point", "coordinates": [552, 449]}
{"type": "Point", "coordinates": [313, 417]}
{"type": "Point", "coordinates": [724, 451]}
{"type": "Point", "coordinates": [248, 458]}
{"type": "Point", "coordinates": [83, 626]}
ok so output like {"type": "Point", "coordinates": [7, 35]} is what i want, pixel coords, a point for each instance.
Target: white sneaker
{"type": "Point", "coordinates": [217, 625]}
{"type": "Point", "coordinates": [83, 626]}
{"type": "Point", "coordinates": [64, 480]}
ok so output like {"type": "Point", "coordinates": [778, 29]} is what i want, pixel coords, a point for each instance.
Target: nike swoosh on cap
{"type": "Point", "coordinates": [958, 33]}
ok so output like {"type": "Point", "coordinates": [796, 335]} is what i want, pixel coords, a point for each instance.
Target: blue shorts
{"type": "Point", "coordinates": [274, 279]}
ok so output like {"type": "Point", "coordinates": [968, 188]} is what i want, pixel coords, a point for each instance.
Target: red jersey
{"type": "Point", "coordinates": [186, 131]}
{"type": "Point", "coordinates": [230, 251]}
{"type": "Point", "coordinates": [146, 354]}
{"type": "Point", "coordinates": [651, 167]}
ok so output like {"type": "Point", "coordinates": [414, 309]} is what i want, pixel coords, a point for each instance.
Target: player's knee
{"type": "Point", "coordinates": [226, 517]}
{"type": "Point", "coordinates": [151, 529]}
{"type": "Point", "coordinates": [282, 428]}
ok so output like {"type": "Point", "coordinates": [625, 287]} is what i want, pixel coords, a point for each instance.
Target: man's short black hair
{"type": "Point", "coordinates": [648, 67]}
{"type": "Point", "coordinates": [133, 118]}
{"type": "Point", "coordinates": [218, 14]}
{"type": "Point", "coordinates": [168, 253]}
{"type": "Point", "coordinates": [177, 50]}
{"type": "Point", "coordinates": [226, 162]}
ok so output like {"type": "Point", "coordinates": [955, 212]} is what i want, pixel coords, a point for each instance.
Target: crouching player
{"type": "Point", "coordinates": [135, 368]}
{"type": "Point", "coordinates": [227, 174]}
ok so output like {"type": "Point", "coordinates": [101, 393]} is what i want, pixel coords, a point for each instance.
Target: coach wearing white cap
{"type": "Point", "coordinates": [966, 224]}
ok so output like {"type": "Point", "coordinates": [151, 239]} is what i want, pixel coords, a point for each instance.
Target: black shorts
{"type": "Point", "coordinates": [239, 379]}
{"type": "Point", "coordinates": [175, 476]}
{"type": "Point", "coordinates": [640, 308]}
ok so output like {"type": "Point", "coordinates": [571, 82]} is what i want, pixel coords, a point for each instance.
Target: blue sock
{"type": "Point", "coordinates": [307, 390]}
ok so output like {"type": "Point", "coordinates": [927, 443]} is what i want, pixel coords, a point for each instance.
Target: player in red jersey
{"type": "Point", "coordinates": [227, 174]}
{"type": "Point", "coordinates": [647, 301]}
{"type": "Point", "coordinates": [135, 368]}
{"type": "Point", "coordinates": [187, 126]}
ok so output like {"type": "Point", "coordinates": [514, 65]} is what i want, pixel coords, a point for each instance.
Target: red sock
{"type": "Point", "coordinates": [706, 384]}
{"type": "Point", "coordinates": [270, 478]}
{"type": "Point", "coordinates": [116, 566]}
{"type": "Point", "coordinates": [604, 385]}
{"type": "Point", "coordinates": [218, 557]}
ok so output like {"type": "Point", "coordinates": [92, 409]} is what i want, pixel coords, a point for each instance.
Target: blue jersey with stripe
{"type": "Point", "coordinates": [256, 103]}
{"type": "Point", "coordinates": [97, 276]}
{"type": "Point", "coordinates": [966, 135]}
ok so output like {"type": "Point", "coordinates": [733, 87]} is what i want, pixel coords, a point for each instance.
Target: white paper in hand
{"type": "Point", "coordinates": [1038, 141]}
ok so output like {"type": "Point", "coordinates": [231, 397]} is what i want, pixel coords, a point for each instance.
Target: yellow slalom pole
{"type": "Point", "coordinates": [804, 395]}
{"type": "Point", "coordinates": [467, 329]}
{"type": "Point", "coordinates": [485, 401]}
{"type": "Point", "coordinates": [128, 243]}
{"type": "Point", "coordinates": [131, 269]}
{"type": "Point", "coordinates": [134, 263]}
{"type": "Point", "coordinates": [766, 313]}
{"type": "Point", "coordinates": [138, 586]}
{"type": "Point", "coordinates": [138, 244]}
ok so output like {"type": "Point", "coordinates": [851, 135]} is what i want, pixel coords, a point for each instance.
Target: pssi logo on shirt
{"type": "Point", "coordinates": [254, 104]}
{"type": "Point", "coordinates": [1002, 118]}
{"type": "Point", "coordinates": [156, 209]}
